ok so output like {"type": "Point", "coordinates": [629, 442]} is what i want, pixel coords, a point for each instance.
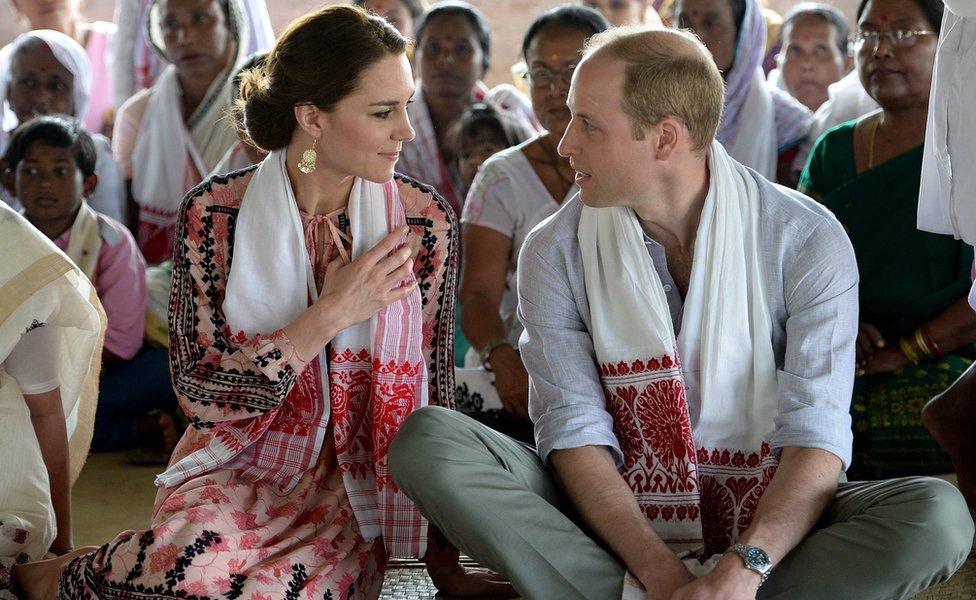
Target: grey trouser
{"type": "Point", "coordinates": [495, 500]}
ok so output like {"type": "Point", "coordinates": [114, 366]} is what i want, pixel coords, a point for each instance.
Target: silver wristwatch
{"type": "Point", "coordinates": [755, 558]}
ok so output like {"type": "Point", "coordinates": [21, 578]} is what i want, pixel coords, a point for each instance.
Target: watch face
{"type": "Point", "coordinates": [756, 557]}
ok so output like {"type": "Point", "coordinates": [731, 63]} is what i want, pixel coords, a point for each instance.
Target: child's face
{"type": "Point", "coordinates": [49, 183]}
{"type": "Point", "coordinates": [476, 148]}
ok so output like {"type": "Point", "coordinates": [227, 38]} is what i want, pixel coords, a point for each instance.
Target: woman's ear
{"type": "Point", "coordinates": [311, 119]}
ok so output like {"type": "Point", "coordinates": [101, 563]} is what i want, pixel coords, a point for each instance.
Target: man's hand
{"type": "Point", "coordinates": [464, 582]}
{"type": "Point", "coordinates": [729, 580]}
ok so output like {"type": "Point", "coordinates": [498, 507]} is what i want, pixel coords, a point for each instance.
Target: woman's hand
{"type": "Point", "coordinates": [869, 340]}
{"type": "Point", "coordinates": [380, 277]}
{"type": "Point", "coordinates": [511, 380]}
{"type": "Point", "coordinates": [886, 360]}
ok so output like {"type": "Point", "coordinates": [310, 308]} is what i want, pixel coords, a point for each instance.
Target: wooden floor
{"type": "Point", "coordinates": [112, 496]}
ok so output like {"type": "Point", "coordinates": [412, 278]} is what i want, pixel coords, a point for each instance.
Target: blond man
{"type": "Point", "coordinates": [689, 338]}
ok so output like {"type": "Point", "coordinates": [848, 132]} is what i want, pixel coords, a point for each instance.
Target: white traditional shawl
{"type": "Point", "coordinates": [166, 145]}
{"type": "Point", "coordinates": [679, 470]}
{"type": "Point", "coordinates": [85, 241]}
{"type": "Point", "coordinates": [366, 381]}
{"type": "Point", "coordinates": [39, 285]}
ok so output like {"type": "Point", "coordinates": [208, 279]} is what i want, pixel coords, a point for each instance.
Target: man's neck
{"type": "Point", "coordinates": [671, 213]}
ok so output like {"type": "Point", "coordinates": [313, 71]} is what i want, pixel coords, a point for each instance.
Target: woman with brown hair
{"type": "Point", "coordinates": [296, 380]}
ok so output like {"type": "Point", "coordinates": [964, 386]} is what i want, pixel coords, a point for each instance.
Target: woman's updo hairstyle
{"type": "Point", "coordinates": [317, 60]}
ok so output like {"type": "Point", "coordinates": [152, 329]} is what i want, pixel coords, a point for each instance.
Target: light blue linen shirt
{"type": "Point", "coordinates": [811, 289]}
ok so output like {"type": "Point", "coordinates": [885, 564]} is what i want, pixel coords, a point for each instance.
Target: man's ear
{"type": "Point", "coordinates": [670, 131]}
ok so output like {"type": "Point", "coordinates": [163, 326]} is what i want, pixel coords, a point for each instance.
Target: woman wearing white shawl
{"type": "Point", "coordinates": [453, 52]}
{"type": "Point", "coordinates": [761, 126]}
{"type": "Point", "coordinates": [51, 330]}
{"type": "Point", "coordinates": [19, 102]}
{"type": "Point", "coordinates": [169, 137]}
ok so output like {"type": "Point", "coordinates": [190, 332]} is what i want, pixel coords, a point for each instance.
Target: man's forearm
{"type": "Point", "coordinates": [804, 485]}
{"type": "Point", "coordinates": [608, 506]}
{"type": "Point", "coordinates": [52, 437]}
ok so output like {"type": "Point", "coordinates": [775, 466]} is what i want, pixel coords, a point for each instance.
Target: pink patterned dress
{"type": "Point", "coordinates": [220, 535]}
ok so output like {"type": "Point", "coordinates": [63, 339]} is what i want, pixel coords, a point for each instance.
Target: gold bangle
{"type": "Point", "coordinates": [920, 342]}
{"type": "Point", "coordinates": [906, 347]}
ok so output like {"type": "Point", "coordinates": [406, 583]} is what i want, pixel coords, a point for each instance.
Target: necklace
{"type": "Point", "coordinates": [874, 132]}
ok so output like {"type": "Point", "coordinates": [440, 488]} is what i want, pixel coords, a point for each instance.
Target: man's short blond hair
{"type": "Point", "coordinates": [669, 73]}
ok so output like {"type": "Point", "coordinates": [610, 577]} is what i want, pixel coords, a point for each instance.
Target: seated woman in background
{"type": "Point", "coordinates": [64, 16]}
{"type": "Point", "coordinates": [169, 137]}
{"type": "Point", "coordinates": [917, 328]}
{"type": "Point", "coordinates": [51, 169]}
{"type": "Point", "coordinates": [813, 54]}
{"type": "Point", "coordinates": [762, 127]}
{"type": "Point", "coordinates": [402, 14]}
{"type": "Point", "coordinates": [136, 65]}
{"type": "Point", "coordinates": [243, 153]}
{"type": "Point", "coordinates": [50, 349]}
{"type": "Point", "coordinates": [452, 54]}
{"type": "Point", "coordinates": [45, 72]}
{"type": "Point", "coordinates": [513, 192]}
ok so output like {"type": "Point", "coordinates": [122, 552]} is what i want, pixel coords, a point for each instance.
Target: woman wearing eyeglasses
{"type": "Point", "coordinates": [513, 192]}
{"type": "Point", "coordinates": [917, 329]}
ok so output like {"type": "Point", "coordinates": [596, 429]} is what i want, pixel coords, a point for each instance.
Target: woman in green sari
{"type": "Point", "coordinates": [917, 329]}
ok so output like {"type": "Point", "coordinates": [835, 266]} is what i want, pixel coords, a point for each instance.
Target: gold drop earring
{"type": "Point", "coordinates": [307, 164]}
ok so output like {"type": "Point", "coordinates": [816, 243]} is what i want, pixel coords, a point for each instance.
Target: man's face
{"type": "Point", "coordinates": [811, 59]}
{"type": "Point", "coordinates": [612, 167]}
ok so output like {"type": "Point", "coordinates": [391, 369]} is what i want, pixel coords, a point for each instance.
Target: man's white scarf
{"type": "Point", "coordinates": [679, 471]}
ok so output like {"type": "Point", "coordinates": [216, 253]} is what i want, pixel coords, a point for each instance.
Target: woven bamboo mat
{"type": "Point", "coordinates": [407, 580]}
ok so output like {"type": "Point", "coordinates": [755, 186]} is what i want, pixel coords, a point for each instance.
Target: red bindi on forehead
{"type": "Point", "coordinates": [884, 18]}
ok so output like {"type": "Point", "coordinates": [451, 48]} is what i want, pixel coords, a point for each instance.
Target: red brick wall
{"type": "Point", "coordinates": [509, 19]}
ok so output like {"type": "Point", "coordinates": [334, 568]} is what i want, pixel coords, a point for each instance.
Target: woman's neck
{"type": "Point", "coordinates": [444, 113]}
{"type": "Point", "coordinates": [907, 124]}
{"type": "Point", "coordinates": [320, 192]}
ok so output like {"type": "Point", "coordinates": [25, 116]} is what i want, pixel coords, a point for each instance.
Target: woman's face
{"type": "Point", "coordinates": [394, 11]}
{"type": "Point", "coordinates": [39, 84]}
{"type": "Point", "coordinates": [551, 58]}
{"type": "Point", "coordinates": [48, 14]}
{"type": "Point", "coordinates": [896, 76]}
{"type": "Point", "coordinates": [365, 131]}
{"type": "Point", "coordinates": [449, 58]}
{"type": "Point", "coordinates": [713, 22]}
{"type": "Point", "coordinates": [620, 13]}
{"type": "Point", "coordinates": [196, 37]}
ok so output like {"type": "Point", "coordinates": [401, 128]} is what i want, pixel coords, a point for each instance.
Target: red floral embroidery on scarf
{"type": "Point", "coordinates": [651, 422]}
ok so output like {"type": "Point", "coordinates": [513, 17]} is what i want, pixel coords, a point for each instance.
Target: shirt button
{"type": "Point", "coordinates": [667, 287]}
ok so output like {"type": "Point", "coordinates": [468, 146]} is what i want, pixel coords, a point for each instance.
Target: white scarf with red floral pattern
{"type": "Point", "coordinates": [698, 484]}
